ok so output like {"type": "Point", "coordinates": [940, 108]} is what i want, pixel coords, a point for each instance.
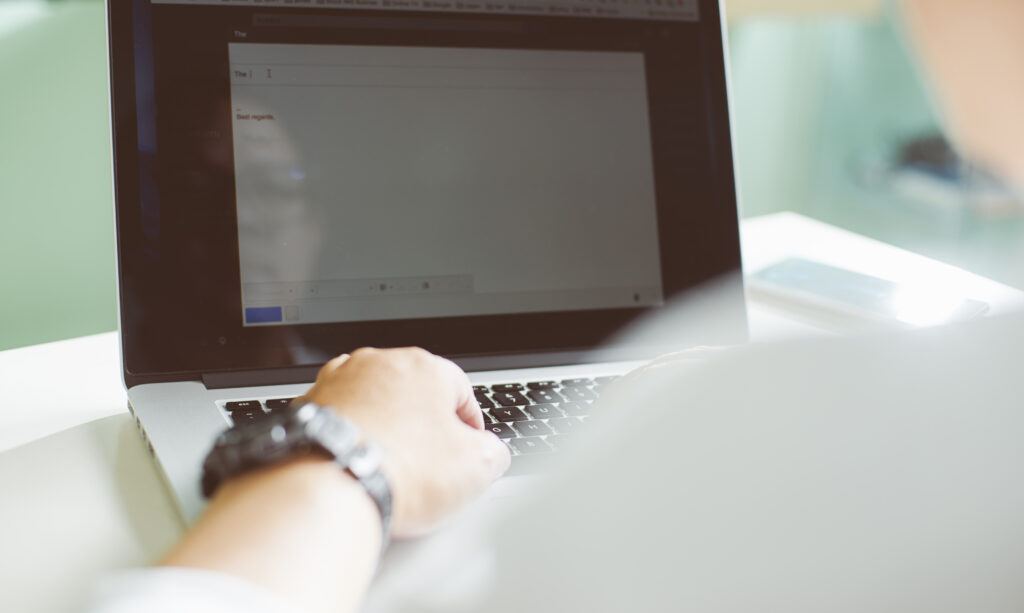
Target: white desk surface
{"type": "Point", "coordinates": [81, 496]}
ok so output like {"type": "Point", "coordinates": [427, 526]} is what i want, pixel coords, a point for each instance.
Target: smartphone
{"type": "Point", "coordinates": [855, 294]}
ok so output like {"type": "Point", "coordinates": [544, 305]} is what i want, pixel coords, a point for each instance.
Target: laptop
{"type": "Point", "coordinates": [506, 184]}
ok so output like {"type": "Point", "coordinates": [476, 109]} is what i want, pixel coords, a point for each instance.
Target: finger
{"type": "Point", "coordinates": [329, 368]}
{"type": "Point", "coordinates": [493, 458]}
{"type": "Point", "coordinates": [470, 413]}
{"type": "Point", "coordinates": [466, 406]}
{"type": "Point", "coordinates": [476, 459]}
{"type": "Point", "coordinates": [321, 376]}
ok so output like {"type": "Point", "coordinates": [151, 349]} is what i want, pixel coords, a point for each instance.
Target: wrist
{"type": "Point", "coordinates": [293, 528]}
{"type": "Point", "coordinates": [315, 484]}
{"type": "Point", "coordinates": [272, 446]}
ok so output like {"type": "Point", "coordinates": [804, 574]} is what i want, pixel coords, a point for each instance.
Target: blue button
{"type": "Point", "coordinates": [263, 315]}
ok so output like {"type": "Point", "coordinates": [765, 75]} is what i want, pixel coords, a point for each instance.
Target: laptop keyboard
{"type": "Point", "coordinates": [534, 419]}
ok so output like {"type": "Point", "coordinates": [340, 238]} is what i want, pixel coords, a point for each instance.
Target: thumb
{"type": "Point", "coordinates": [495, 455]}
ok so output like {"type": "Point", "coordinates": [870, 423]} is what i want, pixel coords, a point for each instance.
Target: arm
{"type": "Point", "coordinates": [973, 51]}
{"type": "Point", "coordinates": [309, 532]}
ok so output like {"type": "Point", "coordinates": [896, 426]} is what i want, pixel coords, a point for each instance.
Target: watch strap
{"type": "Point", "coordinates": [365, 465]}
{"type": "Point", "coordinates": [307, 429]}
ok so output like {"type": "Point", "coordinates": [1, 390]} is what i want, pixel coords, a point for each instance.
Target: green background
{"type": "Point", "coordinates": [56, 210]}
{"type": "Point", "coordinates": [815, 99]}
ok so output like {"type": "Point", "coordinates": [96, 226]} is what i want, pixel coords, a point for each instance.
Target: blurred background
{"type": "Point", "coordinates": [832, 120]}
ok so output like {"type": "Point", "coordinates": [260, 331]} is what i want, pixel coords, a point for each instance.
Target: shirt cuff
{"type": "Point", "coordinates": [173, 590]}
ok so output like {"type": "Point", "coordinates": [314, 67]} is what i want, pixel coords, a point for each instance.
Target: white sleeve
{"type": "Point", "coordinates": [174, 590]}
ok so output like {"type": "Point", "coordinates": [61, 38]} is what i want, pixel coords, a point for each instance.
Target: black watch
{"type": "Point", "coordinates": [309, 429]}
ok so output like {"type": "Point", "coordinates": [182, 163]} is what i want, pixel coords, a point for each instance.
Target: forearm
{"type": "Point", "coordinates": [304, 530]}
{"type": "Point", "coordinates": [972, 53]}
{"type": "Point", "coordinates": [311, 533]}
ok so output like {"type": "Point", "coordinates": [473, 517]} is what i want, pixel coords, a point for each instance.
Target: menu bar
{"type": "Point", "coordinates": [659, 10]}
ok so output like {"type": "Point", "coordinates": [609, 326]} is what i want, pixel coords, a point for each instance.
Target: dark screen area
{"type": "Point", "coordinates": [178, 241]}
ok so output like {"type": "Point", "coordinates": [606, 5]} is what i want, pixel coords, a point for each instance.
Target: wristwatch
{"type": "Point", "coordinates": [284, 435]}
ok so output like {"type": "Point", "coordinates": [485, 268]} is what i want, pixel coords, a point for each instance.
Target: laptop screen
{"type": "Point", "coordinates": [296, 177]}
{"type": "Point", "coordinates": [387, 182]}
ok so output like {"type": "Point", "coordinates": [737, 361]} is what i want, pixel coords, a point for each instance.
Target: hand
{"type": "Point", "coordinates": [420, 409]}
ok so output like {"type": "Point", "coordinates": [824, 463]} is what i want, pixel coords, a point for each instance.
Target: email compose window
{"type": "Point", "coordinates": [377, 183]}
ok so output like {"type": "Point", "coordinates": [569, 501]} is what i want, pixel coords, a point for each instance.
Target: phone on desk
{"type": "Point", "coordinates": [858, 295]}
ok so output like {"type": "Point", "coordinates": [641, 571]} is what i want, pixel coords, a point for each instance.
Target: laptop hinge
{"type": "Point", "coordinates": [251, 378]}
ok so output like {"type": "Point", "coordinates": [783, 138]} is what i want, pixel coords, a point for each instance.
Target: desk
{"type": "Point", "coordinates": [81, 495]}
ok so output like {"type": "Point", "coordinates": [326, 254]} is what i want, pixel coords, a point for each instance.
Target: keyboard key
{"type": "Point", "coordinates": [247, 417]}
{"type": "Point", "coordinates": [543, 411]}
{"type": "Point", "coordinates": [502, 431]}
{"type": "Point", "coordinates": [576, 382]}
{"type": "Point", "coordinates": [484, 401]}
{"type": "Point", "coordinates": [507, 387]}
{"type": "Point", "coordinates": [481, 389]}
{"type": "Point", "coordinates": [530, 445]}
{"type": "Point", "coordinates": [544, 396]}
{"type": "Point", "coordinates": [533, 428]}
{"type": "Point", "coordinates": [566, 425]}
{"type": "Point", "coordinates": [542, 385]}
{"type": "Point", "coordinates": [276, 404]}
{"type": "Point", "coordinates": [578, 394]}
{"type": "Point", "coordinates": [510, 399]}
{"type": "Point", "coordinates": [243, 405]}
{"type": "Point", "coordinates": [487, 417]}
{"type": "Point", "coordinates": [575, 408]}
{"type": "Point", "coordinates": [507, 414]}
